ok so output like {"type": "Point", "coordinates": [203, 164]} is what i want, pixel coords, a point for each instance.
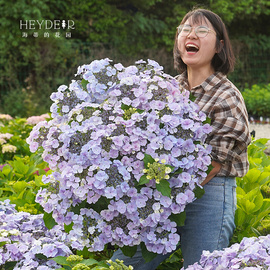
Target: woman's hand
{"type": "Point", "coordinates": [213, 172]}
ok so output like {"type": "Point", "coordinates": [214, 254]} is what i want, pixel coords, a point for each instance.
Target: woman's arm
{"type": "Point", "coordinates": [213, 172]}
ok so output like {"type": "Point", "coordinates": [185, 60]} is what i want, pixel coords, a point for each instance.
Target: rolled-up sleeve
{"type": "Point", "coordinates": [230, 136]}
{"type": "Point", "coordinates": [223, 103]}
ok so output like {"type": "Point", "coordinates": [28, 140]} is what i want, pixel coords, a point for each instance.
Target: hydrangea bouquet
{"type": "Point", "coordinates": [127, 150]}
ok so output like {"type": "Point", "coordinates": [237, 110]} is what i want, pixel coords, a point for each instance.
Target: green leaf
{"type": "Point", "coordinates": [143, 180]}
{"type": "Point", "coordinates": [179, 218]}
{"type": "Point", "coordinates": [21, 195]}
{"type": "Point", "coordinates": [199, 192]}
{"type": "Point", "coordinates": [20, 186]}
{"type": "Point", "coordinates": [9, 265]}
{"type": "Point", "coordinates": [240, 217]}
{"type": "Point", "coordinates": [125, 107]}
{"type": "Point", "coordinates": [100, 205]}
{"type": "Point", "coordinates": [38, 181]}
{"type": "Point", "coordinates": [20, 167]}
{"type": "Point", "coordinates": [30, 196]}
{"type": "Point", "coordinates": [84, 84]}
{"type": "Point", "coordinates": [8, 189]}
{"type": "Point", "coordinates": [264, 177]}
{"type": "Point", "coordinates": [101, 266]}
{"type": "Point", "coordinates": [240, 192]}
{"type": "Point", "coordinates": [61, 260]}
{"type": "Point", "coordinates": [210, 168]}
{"type": "Point", "coordinates": [31, 170]}
{"type": "Point", "coordinates": [49, 220]}
{"type": "Point", "coordinates": [261, 216]}
{"type": "Point", "coordinates": [164, 188]}
{"type": "Point", "coordinates": [41, 256]}
{"type": "Point", "coordinates": [16, 200]}
{"type": "Point", "coordinates": [252, 175]}
{"type": "Point", "coordinates": [207, 121]}
{"type": "Point", "coordinates": [147, 159]}
{"type": "Point", "coordinates": [89, 262]}
{"type": "Point", "coordinates": [261, 143]}
{"type": "Point", "coordinates": [76, 209]}
{"type": "Point", "coordinates": [3, 243]}
{"type": "Point", "coordinates": [6, 170]}
{"type": "Point", "coordinates": [176, 257]}
{"type": "Point", "coordinates": [256, 231]}
{"type": "Point", "coordinates": [266, 204]}
{"type": "Point", "coordinates": [246, 205]}
{"type": "Point", "coordinates": [85, 253]}
{"type": "Point", "coordinates": [192, 97]}
{"type": "Point", "coordinates": [258, 200]}
{"type": "Point", "coordinates": [147, 255]}
{"type": "Point", "coordinates": [68, 228]}
{"type": "Point", "coordinates": [129, 251]}
{"type": "Point", "coordinates": [178, 171]}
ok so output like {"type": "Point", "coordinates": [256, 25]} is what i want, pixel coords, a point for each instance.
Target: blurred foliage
{"type": "Point", "coordinates": [257, 100]}
{"type": "Point", "coordinates": [14, 132]}
{"type": "Point", "coordinates": [174, 262]}
{"type": "Point", "coordinates": [76, 262]}
{"type": "Point", "coordinates": [20, 170]}
{"type": "Point", "coordinates": [252, 65]}
{"type": "Point", "coordinates": [20, 180]}
{"type": "Point", "coordinates": [33, 67]}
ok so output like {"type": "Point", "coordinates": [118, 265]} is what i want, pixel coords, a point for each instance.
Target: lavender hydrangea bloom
{"type": "Point", "coordinates": [102, 127]}
{"type": "Point", "coordinates": [23, 236]}
{"type": "Point", "coordinates": [250, 253]}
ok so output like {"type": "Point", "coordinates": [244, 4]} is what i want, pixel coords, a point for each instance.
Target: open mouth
{"type": "Point", "coordinates": [192, 48]}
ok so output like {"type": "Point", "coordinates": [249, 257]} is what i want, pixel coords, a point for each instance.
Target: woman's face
{"type": "Point", "coordinates": [197, 52]}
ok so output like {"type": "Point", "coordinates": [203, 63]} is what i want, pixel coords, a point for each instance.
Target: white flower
{"type": "Point", "coordinates": [8, 148]}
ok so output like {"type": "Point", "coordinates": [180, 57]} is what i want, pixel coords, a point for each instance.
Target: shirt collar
{"type": "Point", "coordinates": [212, 81]}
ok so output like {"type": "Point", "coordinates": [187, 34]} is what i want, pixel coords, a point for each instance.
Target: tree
{"type": "Point", "coordinates": [132, 29]}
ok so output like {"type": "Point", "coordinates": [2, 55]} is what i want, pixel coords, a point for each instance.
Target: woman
{"type": "Point", "coordinates": [203, 55]}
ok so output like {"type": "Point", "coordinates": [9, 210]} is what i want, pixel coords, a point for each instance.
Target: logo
{"type": "Point", "coordinates": [59, 28]}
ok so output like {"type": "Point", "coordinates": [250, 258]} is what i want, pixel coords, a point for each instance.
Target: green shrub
{"type": "Point", "coordinates": [75, 262]}
{"type": "Point", "coordinates": [13, 134]}
{"type": "Point", "coordinates": [20, 180]}
{"type": "Point", "coordinates": [253, 206]}
{"type": "Point", "coordinates": [257, 100]}
{"type": "Point", "coordinates": [20, 170]}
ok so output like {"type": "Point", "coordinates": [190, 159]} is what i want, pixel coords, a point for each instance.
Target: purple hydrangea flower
{"type": "Point", "coordinates": [103, 124]}
{"type": "Point", "coordinates": [23, 236]}
{"type": "Point", "coordinates": [250, 253]}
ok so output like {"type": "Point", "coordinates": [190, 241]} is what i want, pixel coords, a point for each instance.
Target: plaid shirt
{"type": "Point", "coordinates": [223, 103]}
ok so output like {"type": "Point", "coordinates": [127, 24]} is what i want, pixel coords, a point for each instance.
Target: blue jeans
{"type": "Point", "coordinates": [209, 225]}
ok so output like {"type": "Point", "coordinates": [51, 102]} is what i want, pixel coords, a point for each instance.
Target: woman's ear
{"type": "Point", "coordinates": [220, 47]}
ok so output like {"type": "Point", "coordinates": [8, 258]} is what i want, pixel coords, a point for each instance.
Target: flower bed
{"type": "Point", "coordinates": [252, 253]}
{"type": "Point", "coordinates": [26, 243]}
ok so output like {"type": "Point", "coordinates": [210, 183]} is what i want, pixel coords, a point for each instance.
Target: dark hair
{"type": "Point", "coordinates": [224, 59]}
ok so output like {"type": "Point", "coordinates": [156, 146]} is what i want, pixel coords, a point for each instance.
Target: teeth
{"type": "Point", "coordinates": [192, 46]}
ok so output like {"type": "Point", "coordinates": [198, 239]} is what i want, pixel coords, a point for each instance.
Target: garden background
{"type": "Point", "coordinates": [32, 66]}
{"type": "Point", "coordinates": [34, 62]}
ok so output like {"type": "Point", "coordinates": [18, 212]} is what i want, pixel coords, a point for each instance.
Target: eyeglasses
{"type": "Point", "coordinates": [201, 31]}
